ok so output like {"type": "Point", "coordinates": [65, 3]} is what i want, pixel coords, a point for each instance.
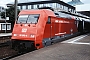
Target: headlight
{"type": "Point", "coordinates": [32, 36]}
{"type": "Point", "coordinates": [14, 34]}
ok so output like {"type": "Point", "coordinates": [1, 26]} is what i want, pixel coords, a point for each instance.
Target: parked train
{"type": "Point", "coordinates": [39, 28]}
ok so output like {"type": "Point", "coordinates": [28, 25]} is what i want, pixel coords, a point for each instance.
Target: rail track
{"type": "Point", "coordinates": [5, 49]}
{"type": "Point", "coordinates": [6, 52]}
{"type": "Point", "coordinates": [5, 41]}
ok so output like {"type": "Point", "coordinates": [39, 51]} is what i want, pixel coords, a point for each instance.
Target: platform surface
{"type": "Point", "coordinates": [5, 34]}
{"type": "Point", "coordinates": [77, 48]}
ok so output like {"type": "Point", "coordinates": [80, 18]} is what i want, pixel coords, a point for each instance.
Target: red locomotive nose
{"type": "Point", "coordinates": [24, 32]}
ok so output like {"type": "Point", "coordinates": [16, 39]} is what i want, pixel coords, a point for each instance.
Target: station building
{"type": "Point", "coordinates": [5, 26]}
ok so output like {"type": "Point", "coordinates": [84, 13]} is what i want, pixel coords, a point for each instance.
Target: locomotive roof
{"type": "Point", "coordinates": [38, 11]}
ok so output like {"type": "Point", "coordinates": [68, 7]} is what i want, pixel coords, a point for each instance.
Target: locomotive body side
{"type": "Point", "coordinates": [38, 28]}
{"type": "Point", "coordinates": [56, 27]}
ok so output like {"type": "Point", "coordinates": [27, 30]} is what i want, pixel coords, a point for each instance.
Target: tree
{"type": "Point", "coordinates": [2, 15]}
{"type": "Point", "coordinates": [10, 12]}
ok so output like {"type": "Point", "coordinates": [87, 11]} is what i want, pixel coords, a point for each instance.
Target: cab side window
{"type": "Point", "coordinates": [49, 20]}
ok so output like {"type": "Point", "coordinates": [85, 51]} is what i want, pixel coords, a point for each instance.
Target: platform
{"type": "Point", "coordinates": [77, 48]}
{"type": "Point", "coordinates": [5, 34]}
{"type": "Point", "coordinates": [4, 38]}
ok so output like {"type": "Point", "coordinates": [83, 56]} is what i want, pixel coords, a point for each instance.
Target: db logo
{"type": "Point", "coordinates": [24, 30]}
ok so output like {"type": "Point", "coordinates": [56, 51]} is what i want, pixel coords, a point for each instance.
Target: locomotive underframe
{"type": "Point", "coordinates": [56, 39]}
{"type": "Point", "coordinates": [23, 45]}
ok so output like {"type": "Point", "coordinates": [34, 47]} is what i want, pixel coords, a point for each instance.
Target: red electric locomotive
{"type": "Point", "coordinates": [39, 28]}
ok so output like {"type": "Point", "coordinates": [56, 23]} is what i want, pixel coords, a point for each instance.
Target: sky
{"type": "Point", "coordinates": [4, 2]}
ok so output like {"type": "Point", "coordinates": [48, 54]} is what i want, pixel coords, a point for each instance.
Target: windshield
{"type": "Point", "coordinates": [32, 18]}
